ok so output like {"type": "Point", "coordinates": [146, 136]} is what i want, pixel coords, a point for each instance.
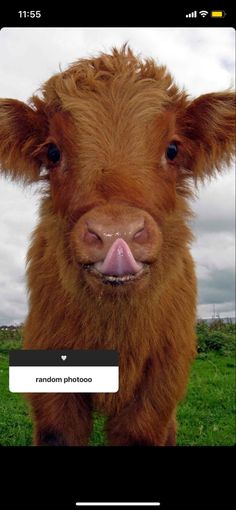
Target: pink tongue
{"type": "Point", "coordinates": [119, 260]}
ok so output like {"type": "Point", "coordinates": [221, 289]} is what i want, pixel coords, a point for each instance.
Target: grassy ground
{"type": "Point", "coordinates": [206, 416]}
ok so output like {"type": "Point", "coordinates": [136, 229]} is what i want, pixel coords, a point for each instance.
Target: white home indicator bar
{"type": "Point", "coordinates": [118, 504]}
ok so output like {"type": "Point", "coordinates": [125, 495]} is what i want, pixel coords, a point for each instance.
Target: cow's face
{"type": "Point", "coordinates": [119, 144]}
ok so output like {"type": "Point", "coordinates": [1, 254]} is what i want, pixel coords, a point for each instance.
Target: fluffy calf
{"type": "Point", "coordinates": [109, 265]}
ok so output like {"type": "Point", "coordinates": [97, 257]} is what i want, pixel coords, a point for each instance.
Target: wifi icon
{"type": "Point", "coordinates": [203, 13]}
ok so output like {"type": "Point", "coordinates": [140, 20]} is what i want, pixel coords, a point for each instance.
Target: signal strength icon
{"type": "Point", "coordinates": [191, 15]}
{"type": "Point", "coordinates": [203, 13]}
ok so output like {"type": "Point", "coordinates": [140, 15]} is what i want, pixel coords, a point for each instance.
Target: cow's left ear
{"type": "Point", "coordinates": [22, 129]}
{"type": "Point", "coordinates": [207, 127]}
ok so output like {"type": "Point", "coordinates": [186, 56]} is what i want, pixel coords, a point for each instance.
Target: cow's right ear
{"type": "Point", "coordinates": [22, 129]}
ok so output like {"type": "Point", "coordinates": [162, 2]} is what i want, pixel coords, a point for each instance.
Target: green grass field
{"type": "Point", "coordinates": [205, 417]}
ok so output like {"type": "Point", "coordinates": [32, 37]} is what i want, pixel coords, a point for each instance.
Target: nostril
{"type": "Point", "coordinates": [91, 237]}
{"type": "Point", "coordinates": [141, 235]}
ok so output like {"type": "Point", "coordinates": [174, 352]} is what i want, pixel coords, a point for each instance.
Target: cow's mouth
{"type": "Point", "coordinates": [119, 266]}
{"type": "Point", "coordinates": [116, 280]}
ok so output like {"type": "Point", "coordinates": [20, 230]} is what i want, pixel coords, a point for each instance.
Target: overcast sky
{"type": "Point", "coordinates": [201, 60]}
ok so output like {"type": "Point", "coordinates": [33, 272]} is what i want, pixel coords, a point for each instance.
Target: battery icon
{"type": "Point", "coordinates": [218, 14]}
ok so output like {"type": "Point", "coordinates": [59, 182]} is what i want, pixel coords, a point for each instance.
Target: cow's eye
{"type": "Point", "coordinates": [172, 151]}
{"type": "Point", "coordinates": [53, 153]}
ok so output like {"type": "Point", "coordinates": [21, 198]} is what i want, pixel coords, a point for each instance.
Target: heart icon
{"type": "Point", "coordinates": [63, 357]}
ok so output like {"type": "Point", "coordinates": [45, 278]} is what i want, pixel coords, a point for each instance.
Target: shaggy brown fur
{"type": "Point", "coordinates": [112, 118]}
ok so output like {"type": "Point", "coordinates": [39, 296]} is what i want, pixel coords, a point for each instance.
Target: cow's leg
{"type": "Point", "coordinates": [140, 424]}
{"type": "Point", "coordinates": [61, 419]}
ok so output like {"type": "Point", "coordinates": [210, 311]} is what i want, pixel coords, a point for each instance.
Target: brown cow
{"type": "Point", "coordinates": [109, 265]}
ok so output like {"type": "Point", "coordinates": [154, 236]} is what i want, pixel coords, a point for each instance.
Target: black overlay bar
{"type": "Point", "coordinates": [162, 14]}
{"type": "Point", "coordinates": [60, 358]}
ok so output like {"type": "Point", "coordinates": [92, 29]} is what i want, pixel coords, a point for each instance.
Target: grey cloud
{"type": "Point", "coordinates": [215, 205]}
{"type": "Point", "coordinates": [218, 288]}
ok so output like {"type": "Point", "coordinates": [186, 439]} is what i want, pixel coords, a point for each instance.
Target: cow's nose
{"type": "Point", "coordinates": [106, 234]}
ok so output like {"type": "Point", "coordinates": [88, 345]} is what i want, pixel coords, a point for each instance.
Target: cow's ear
{"type": "Point", "coordinates": [22, 129]}
{"type": "Point", "coordinates": [208, 132]}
